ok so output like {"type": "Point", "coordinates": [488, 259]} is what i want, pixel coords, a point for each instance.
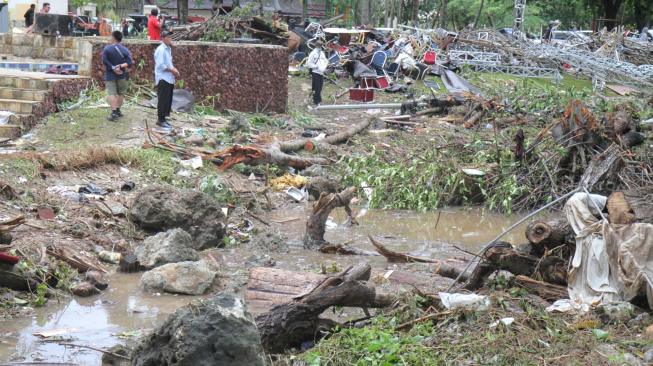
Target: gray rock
{"type": "Point", "coordinates": [194, 139]}
{"type": "Point", "coordinates": [217, 331]}
{"type": "Point", "coordinates": [648, 356]}
{"type": "Point", "coordinates": [84, 289]}
{"type": "Point", "coordinates": [162, 208]}
{"type": "Point", "coordinates": [616, 357]}
{"type": "Point", "coordinates": [616, 312]}
{"type": "Point", "coordinates": [172, 246]}
{"type": "Point", "coordinates": [642, 320]}
{"type": "Point", "coordinates": [190, 278]}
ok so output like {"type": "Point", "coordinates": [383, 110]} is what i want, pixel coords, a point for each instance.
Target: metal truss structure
{"type": "Point", "coordinates": [464, 57]}
{"type": "Point", "coordinates": [518, 23]}
{"type": "Point", "coordinates": [523, 71]}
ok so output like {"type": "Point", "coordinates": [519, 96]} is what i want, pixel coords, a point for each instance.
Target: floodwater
{"type": "Point", "coordinates": [123, 311]}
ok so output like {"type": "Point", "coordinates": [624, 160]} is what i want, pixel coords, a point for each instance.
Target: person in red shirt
{"type": "Point", "coordinates": [154, 26]}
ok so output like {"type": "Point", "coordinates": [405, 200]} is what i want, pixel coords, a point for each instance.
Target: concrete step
{"type": "Point", "coordinates": [24, 83]}
{"type": "Point", "coordinates": [40, 66]}
{"type": "Point", "coordinates": [10, 131]}
{"type": "Point", "coordinates": [22, 94]}
{"type": "Point", "coordinates": [17, 106]}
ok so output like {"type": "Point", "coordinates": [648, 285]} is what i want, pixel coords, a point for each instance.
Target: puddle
{"type": "Point", "coordinates": [124, 308]}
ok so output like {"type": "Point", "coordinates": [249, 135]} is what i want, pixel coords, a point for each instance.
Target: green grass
{"type": "Point", "coordinates": [14, 168]}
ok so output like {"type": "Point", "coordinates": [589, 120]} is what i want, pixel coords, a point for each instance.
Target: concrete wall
{"type": "Point", "coordinates": [38, 46]}
{"type": "Point", "coordinates": [246, 78]}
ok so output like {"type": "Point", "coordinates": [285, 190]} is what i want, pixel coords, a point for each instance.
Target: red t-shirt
{"type": "Point", "coordinates": [154, 28]}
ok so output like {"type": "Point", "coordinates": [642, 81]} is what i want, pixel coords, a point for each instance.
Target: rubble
{"type": "Point", "coordinates": [190, 278]}
{"type": "Point", "coordinates": [172, 246]}
{"type": "Point", "coordinates": [219, 328]}
{"type": "Point", "coordinates": [163, 208]}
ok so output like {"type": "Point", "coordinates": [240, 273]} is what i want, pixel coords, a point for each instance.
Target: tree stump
{"type": "Point", "coordinates": [316, 224]}
{"type": "Point", "coordinates": [545, 235]}
{"type": "Point", "coordinates": [289, 325]}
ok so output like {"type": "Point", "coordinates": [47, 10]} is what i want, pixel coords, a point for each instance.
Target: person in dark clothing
{"type": "Point", "coordinates": [29, 16]}
{"type": "Point", "coordinates": [117, 60]}
{"type": "Point", "coordinates": [164, 79]}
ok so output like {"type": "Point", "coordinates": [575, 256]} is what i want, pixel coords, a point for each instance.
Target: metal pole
{"type": "Point", "coordinates": [358, 106]}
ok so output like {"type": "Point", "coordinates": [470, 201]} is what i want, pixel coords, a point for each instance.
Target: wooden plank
{"type": "Point", "coordinates": [271, 286]}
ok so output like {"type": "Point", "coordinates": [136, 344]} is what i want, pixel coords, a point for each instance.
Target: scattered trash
{"type": "Point", "coordinates": [128, 186]}
{"type": "Point", "coordinates": [110, 257]}
{"type": "Point", "coordinates": [504, 321]}
{"type": "Point", "coordinates": [288, 180]}
{"type": "Point", "coordinates": [45, 213]}
{"type": "Point", "coordinates": [92, 189]}
{"type": "Point", "coordinates": [297, 194]}
{"type": "Point", "coordinates": [194, 163]}
{"type": "Point", "coordinates": [66, 192]}
{"type": "Point", "coordinates": [55, 332]}
{"type": "Point", "coordinates": [466, 301]}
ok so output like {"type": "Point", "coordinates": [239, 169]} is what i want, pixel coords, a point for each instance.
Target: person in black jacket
{"type": "Point", "coordinates": [29, 16]}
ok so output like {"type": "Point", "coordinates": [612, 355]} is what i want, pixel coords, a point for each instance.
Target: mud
{"type": "Point", "coordinates": [124, 312]}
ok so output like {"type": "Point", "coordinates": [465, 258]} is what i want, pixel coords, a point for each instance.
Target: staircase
{"type": "Point", "coordinates": [27, 91]}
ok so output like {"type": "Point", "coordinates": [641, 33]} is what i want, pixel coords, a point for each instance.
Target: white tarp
{"type": "Point", "coordinates": [611, 262]}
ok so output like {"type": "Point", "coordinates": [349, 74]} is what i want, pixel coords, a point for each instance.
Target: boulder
{"type": "Point", "coordinates": [163, 208]}
{"type": "Point", "coordinates": [216, 331]}
{"type": "Point", "coordinates": [96, 278]}
{"type": "Point", "coordinates": [84, 289]}
{"type": "Point", "coordinates": [172, 246]}
{"type": "Point", "coordinates": [190, 278]}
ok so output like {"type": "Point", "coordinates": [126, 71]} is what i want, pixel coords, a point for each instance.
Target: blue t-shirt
{"type": "Point", "coordinates": [112, 55]}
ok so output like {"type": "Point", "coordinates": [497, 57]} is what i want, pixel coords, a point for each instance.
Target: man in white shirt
{"type": "Point", "coordinates": [164, 78]}
{"type": "Point", "coordinates": [317, 63]}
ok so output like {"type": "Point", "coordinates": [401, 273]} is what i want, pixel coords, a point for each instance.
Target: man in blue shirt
{"type": "Point", "coordinates": [164, 78]}
{"type": "Point", "coordinates": [117, 59]}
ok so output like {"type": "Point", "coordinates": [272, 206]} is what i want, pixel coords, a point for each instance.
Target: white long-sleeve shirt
{"type": "Point", "coordinates": [317, 61]}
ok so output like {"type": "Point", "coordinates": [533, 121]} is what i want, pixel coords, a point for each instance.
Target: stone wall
{"type": "Point", "coordinates": [246, 78]}
{"type": "Point", "coordinates": [38, 46]}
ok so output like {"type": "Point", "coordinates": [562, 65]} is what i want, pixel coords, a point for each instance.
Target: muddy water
{"type": "Point", "coordinates": [123, 311]}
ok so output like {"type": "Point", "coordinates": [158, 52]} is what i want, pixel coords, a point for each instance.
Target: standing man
{"type": "Point", "coordinates": [45, 9]}
{"type": "Point", "coordinates": [29, 16]}
{"type": "Point", "coordinates": [154, 26]}
{"type": "Point", "coordinates": [164, 78]}
{"type": "Point", "coordinates": [317, 63]}
{"type": "Point", "coordinates": [117, 59]}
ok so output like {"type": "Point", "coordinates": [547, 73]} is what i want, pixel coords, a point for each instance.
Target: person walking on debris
{"type": "Point", "coordinates": [154, 25]}
{"type": "Point", "coordinates": [164, 79]}
{"type": "Point", "coordinates": [317, 64]}
{"type": "Point", "coordinates": [29, 16]}
{"type": "Point", "coordinates": [548, 34]}
{"type": "Point", "coordinates": [117, 60]}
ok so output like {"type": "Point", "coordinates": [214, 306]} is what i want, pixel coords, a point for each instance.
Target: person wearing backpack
{"type": "Point", "coordinates": [117, 60]}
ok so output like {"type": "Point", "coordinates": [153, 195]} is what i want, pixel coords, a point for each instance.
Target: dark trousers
{"type": "Point", "coordinates": [317, 82]}
{"type": "Point", "coordinates": [164, 95]}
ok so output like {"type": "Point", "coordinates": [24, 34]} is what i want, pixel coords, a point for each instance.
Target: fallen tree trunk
{"type": "Point", "coordinates": [502, 256]}
{"type": "Point", "coordinates": [547, 291]}
{"type": "Point", "coordinates": [289, 325]}
{"type": "Point", "coordinates": [344, 249]}
{"type": "Point", "coordinates": [295, 145]}
{"type": "Point", "coordinates": [545, 235]}
{"type": "Point", "coordinates": [316, 224]}
{"type": "Point", "coordinates": [257, 155]}
{"type": "Point", "coordinates": [268, 287]}
{"type": "Point", "coordinates": [603, 167]}
{"type": "Point", "coordinates": [74, 260]}
{"type": "Point", "coordinates": [441, 268]}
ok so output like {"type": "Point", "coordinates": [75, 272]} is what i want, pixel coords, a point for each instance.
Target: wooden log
{"type": "Point", "coordinates": [602, 167]}
{"type": "Point", "coordinates": [619, 210]}
{"type": "Point", "coordinates": [316, 223]}
{"type": "Point", "coordinates": [551, 268]}
{"type": "Point", "coordinates": [344, 249]}
{"type": "Point", "coordinates": [258, 155]}
{"type": "Point", "coordinates": [267, 287]}
{"type": "Point", "coordinates": [290, 324]}
{"type": "Point", "coordinates": [639, 201]}
{"type": "Point", "coordinates": [10, 224]}
{"type": "Point", "coordinates": [441, 268]}
{"type": "Point", "coordinates": [74, 260]}
{"type": "Point", "coordinates": [547, 291]}
{"type": "Point", "coordinates": [545, 235]}
{"type": "Point", "coordinates": [338, 138]}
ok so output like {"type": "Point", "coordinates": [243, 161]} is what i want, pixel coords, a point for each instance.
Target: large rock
{"type": "Point", "coordinates": [163, 208]}
{"type": "Point", "coordinates": [172, 246]}
{"type": "Point", "coordinates": [190, 278]}
{"type": "Point", "coordinates": [217, 331]}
